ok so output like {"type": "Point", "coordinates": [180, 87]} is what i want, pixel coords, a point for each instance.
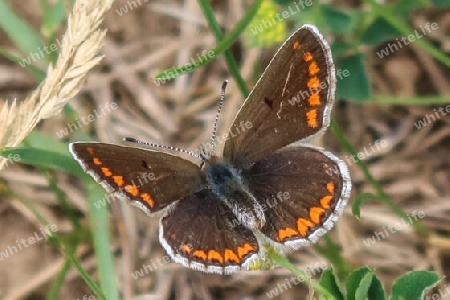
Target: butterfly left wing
{"type": "Point", "coordinates": [302, 191]}
{"type": "Point", "coordinates": [152, 181]}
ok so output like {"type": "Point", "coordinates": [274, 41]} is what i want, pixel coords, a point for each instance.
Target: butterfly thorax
{"type": "Point", "coordinates": [229, 186]}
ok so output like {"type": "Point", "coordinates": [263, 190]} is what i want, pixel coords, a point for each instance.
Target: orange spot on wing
{"type": "Point", "coordinates": [213, 254]}
{"type": "Point", "coordinates": [97, 161]}
{"type": "Point", "coordinates": [286, 233]}
{"type": "Point", "coordinates": [330, 187]}
{"type": "Point", "coordinates": [314, 99]}
{"type": "Point", "coordinates": [107, 172]}
{"type": "Point", "coordinates": [242, 251]}
{"type": "Point", "coordinates": [148, 199]}
{"type": "Point", "coordinates": [231, 256]}
{"type": "Point", "coordinates": [313, 83]}
{"type": "Point", "coordinates": [90, 150]}
{"type": "Point", "coordinates": [132, 189]}
{"type": "Point", "coordinates": [325, 201]}
{"type": "Point", "coordinates": [200, 254]}
{"type": "Point", "coordinates": [307, 56]}
{"type": "Point", "coordinates": [303, 226]}
{"type": "Point", "coordinates": [118, 180]}
{"type": "Point", "coordinates": [313, 69]}
{"type": "Point", "coordinates": [311, 118]}
{"type": "Point", "coordinates": [186, 248]}
{"type": "Point", "coordinates": [297, 46]}
{"type": "Point", "coordinates": [315, 213]}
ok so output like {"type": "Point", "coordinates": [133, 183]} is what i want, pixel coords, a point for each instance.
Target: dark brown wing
{"type": "Point", "coordinates": [292, 100]}
{"type": "Point", "coordinates": [151, 180]}
{"type": "Point", "coordinates": [302, 190]}
{"type": "Point", "coordinates": [203, 234]}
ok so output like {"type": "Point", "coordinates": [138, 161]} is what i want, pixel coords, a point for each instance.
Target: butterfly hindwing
{"type": "Point", "coordinates": [303, 190]}
{"type": "Point", "coordinates": [202, 233]}
{"type": "Point", "coordinates": [291, 101]}
{"type": "Point", "coordinates": [150, 180]}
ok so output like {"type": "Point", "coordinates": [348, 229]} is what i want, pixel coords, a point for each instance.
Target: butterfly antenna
{"type": "Point", "coordinates": [203, 156]}
{"type": "Point", "coordinates": [222, 99]}
{"type": "Point", "coordinates": [134, 140]}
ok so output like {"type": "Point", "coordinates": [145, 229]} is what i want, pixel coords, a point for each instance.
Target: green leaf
{"type": "Point", "coordinates": [330, 282]}
{"type": "Point", "coordinates": [45, 158]}
{"type": "Point", "coordinates": [332, 252]}
{"type": "Point", "coordinates": [266, 28]}
{"type": "Point", "coordinates": [339, 48]}
{"type": "Point", "coordinates": [357, 283]}
{"type": "Point", "coordinates": [403, 8]}
{"type": "Point", "coordinates": [284, 2]}
{"type": "Point", "coordinates": [363, 289]}
{"type": "Point", "coordinates": [336, 20]}
{"type": "Point", "coordinates": [20, 32]}
{"type": "Point", "coordinates": [378, 32]}
{"type": "Point", "coordinates": [376, 290]}
{"type": "Point", "coordinates": [356, 86]}
{"type": "Point", "coordinates": [441, 3]}
{"type": "Point", "coordinates": [414, 285]}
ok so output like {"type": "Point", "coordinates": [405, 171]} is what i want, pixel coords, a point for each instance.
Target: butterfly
{"type": "Point", "coordinates": [270, 186]}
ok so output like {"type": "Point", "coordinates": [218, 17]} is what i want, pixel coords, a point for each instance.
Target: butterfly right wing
{"type": "Point", "coordinates": [291, 101]}
{"type": "Point", "coordinates": [150, 180]}
{"type": "Point", "coordinates": [302, 190]}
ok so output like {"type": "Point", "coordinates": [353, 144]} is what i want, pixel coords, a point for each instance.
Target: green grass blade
{"type": "Point", "coordinates": [102, 243]}
{"type": "Point", "coordinates": [222, 46]}
{"type": "Point", "coordinates": [385, 13]}
{"type": "Point", "coordinates": [37, 73]}
{"type": "Point", "coordinates": [282, 261]}
{"type": "Point", "coordinates": [332, 252]}
{"type": "Point", "coordinates": [421, 100]}
{"type": "Point", "coordinates": [240, 27]}
{"type": "Point", "coordinates": [45, 158]}
{"type": "Point", "coordinates": [88, 279]}
{"type": "Point", "coordinates": [53, 17]}
{"type": "Point", "coordinates": [382, 196]}
{"type": "Point", "coordinates": [53, 294]}
{"type": "Point", "coordinates": [22, 34]}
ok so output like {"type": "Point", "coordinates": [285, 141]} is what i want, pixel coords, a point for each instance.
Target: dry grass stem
{"type": "Point", "coordinates": [79, 53]}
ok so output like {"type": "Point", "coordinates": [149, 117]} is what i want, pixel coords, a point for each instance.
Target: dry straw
{"type": "Point", "coordinates": [79, 53]}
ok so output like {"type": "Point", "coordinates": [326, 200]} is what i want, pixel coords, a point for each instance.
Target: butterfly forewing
{"type": "Point", "coordinates": [151, 180]}
{"type": "Point", "coordinates": [292, 100]}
